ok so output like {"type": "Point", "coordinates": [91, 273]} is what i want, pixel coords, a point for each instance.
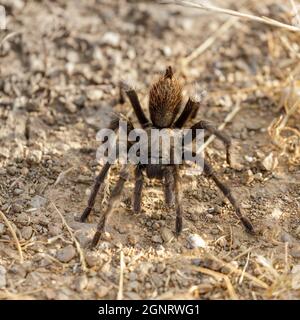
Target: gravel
{"type": "Point", "coordinates": [66, 254]}
{"type": "Point", "coordinates": [2, 277]}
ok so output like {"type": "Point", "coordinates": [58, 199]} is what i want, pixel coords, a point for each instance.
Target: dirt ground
{"type": "Point", "coordinates": [60, 70]}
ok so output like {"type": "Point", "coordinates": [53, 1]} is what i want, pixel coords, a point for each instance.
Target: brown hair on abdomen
{"type": "Point", "coordinates": [165, 99]}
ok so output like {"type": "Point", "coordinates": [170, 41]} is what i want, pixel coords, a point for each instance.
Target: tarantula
{"type": "Point", "coordinates": [165, 98]}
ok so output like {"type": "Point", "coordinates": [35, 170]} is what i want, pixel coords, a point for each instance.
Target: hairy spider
{"type": "Point", "coordinates": [164, 104]}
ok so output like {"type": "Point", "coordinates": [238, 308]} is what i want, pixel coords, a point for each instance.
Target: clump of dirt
{"type": "Point", "coordinates": [60, 69]}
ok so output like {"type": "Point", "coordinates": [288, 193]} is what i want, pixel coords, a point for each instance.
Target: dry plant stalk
{"type": "Point", "coordinates": [81, 255]}
{"type": "Point", "coordinates": [240, 15]}
{"type": "Point", "coordinates": [220, 276]}
{"type": "Point", "coordinates": [285, 137]}
{"type": "Point", "coordinates": [12, 231]}
{"type": "Point", "coordinates": [121, 280]}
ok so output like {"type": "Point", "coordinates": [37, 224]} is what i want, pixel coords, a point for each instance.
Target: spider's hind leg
{"type": "Point", "coordinates": [138, 188]}
{"type": "Point", "coordinates": [178, 201]}
{"type": "Point", "coordinates": [112, 204]}
{"type": "Point", "coordinates": [227, 193]}
{"type": "Point", "coordinates": [169, 186]}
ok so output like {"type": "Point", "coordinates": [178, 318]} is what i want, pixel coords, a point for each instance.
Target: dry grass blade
{"type": "Point", "coordinates": [220, 276]}
{"type": "Point", "coordinates": [79, 250]}
{"type": "Point", "coordinates": [12, 231]}
{"type": "Point", "coordinates": [209, 41]}
{"type": "Point", "coordinates": [121, 280]}
{"type": "Point", "coordinates": [255, 280]}
{"type": "Point", "coordinates": [240, 15]}
{"type": "Point", "coordinates": [8, 36]}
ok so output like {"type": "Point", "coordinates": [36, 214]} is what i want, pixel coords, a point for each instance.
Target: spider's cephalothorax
{"type": "Point", "coordinates": [165, 100]}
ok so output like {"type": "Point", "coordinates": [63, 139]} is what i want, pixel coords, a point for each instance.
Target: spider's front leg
{"type": "Point", "coordinates": [112, 204]}
{"type": "Point", "coordinates": [189, 111]}
{"type": "Point", "coordinates": [135, 102]}
{"type": "Point", "coordinates": [207, 125]}
{"type": "Point", "coordinates": [91, 202]}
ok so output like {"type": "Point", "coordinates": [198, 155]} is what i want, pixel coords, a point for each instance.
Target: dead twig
{"type": "Point", "coordinates": [240, 15]}
{"type": "Point", "coordinates": [121, 280]}
{"type": "Point", "coordinates": [79, 250]}
{"type": "Point", "coordinates": [12, 231]}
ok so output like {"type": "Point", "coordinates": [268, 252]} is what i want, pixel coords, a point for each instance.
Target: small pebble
{"type": "Point", "coordinates": [38, 202]}
{"type": "Point", "coordinates": [66, 254]}
{"type": "Point", "coordinates": [132, 239]}
{"type": "Point", "coordinates": [111, 39]}
{"type": "Point", "coordinates": [157, 239]}
{"type": "Point", "coordinates": [102, 291]}
{"type": "Point", "coordinates": [92, 259]}
{"type": "Point", "coordinates": [12, 170]}
{"type": "Point", "coordinates": [18, 191]}
{"type": "Point", "coordinates": [285, 237]}
{"type": "Point", "coordinates": [298, 232]}
{"type": "Point", "coordinates": [2, 228]}
{"type": "Point", "coordinates": [81, 283]}
{"type": "Point", "coordinates": [2, 277]}
{"type": "Point", "coordinates": [167, 235]}
{"type": "Point", "coordinates": [195, 241]}
{"type": "Point", "coordinates": [295, 251]}
{"type": "Point", "coordinates": [27, 232]}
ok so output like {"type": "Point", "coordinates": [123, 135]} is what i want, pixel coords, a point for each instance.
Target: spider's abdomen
{"type": "Point", "coordinates": [165, 99]}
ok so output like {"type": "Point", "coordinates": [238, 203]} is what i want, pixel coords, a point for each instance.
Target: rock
{"type": "Point", "coordinates": [54, 230]}
{"type": "Point", "coordinates": [296, 277]}
{"type": "Point", "coordinates": [27, 232]}
{"type": "Point", "coordinates": [18, 191]}
{"type": "Point", "coordinates": [295, 251]}
{"type": "Point", "coordinates": [132, 239]}
{"type": "Point", "coordinates": [157, 239]}
{"type": "Point", "coordinates": [70, 107]}
{"type": "Point", "coordinates": [276, 213]}
{"type": "Point", "coordinates": [111, 39]}
{"type": "Point", "coordinates": [66, 254]}
{"type": "Point", "coordinates": [298, 232]}
{"type": "Point", "coordinates": [285, 237]}
{"type": "Point", "coordinates": [92, 259]}
{"type": "Point", "coordinates": [34, 157]}
{"type": "Point", "coordinates": [16, 207]}
{"type": "Point", "coordinates": [38, 202]}
{"type": "Point", "coordinates": [102, 291]}
{"type": "Point", "coordinates": [270, 162]}
{"type": "Point", "coordinates": [81, 283]}
{"type": "Point", "coordinates": [12, 170]}
{"type": "Point", "coordinates": [94, 94]}
{"type": "Point", "coordinates": [195, 241]}
{"type": "Point", "coordinates": [167, 235]}
{"type": "Point", "coordinates": [196, 262]}
{"type": "Point", "coordinates": [2, 277]}
{"type": "Point", "coordinates": [145, 268]}
{"type": "Point", "coordinates": [2, 228]}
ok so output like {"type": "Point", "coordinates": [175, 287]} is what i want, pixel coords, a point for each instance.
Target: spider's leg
{"type": "Point", "coordinates": [190, 110]}
{"type": "Point", "coordinates": [134, 100]}
{"type": "Point", "coordinates": [208, 170]}
{"type": "Point", "coordinates": [206, 125]}
{"type": "Point", "coordinates": [178, 202]}
{"type": "Point", "coordinates": [91, 202]}
{"type": "Point", "coordinates": [138, 188]}
{"type": "Point", "coordinates": [169, 186]}
{"type": "Point", "coordinates": [112, 204]}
